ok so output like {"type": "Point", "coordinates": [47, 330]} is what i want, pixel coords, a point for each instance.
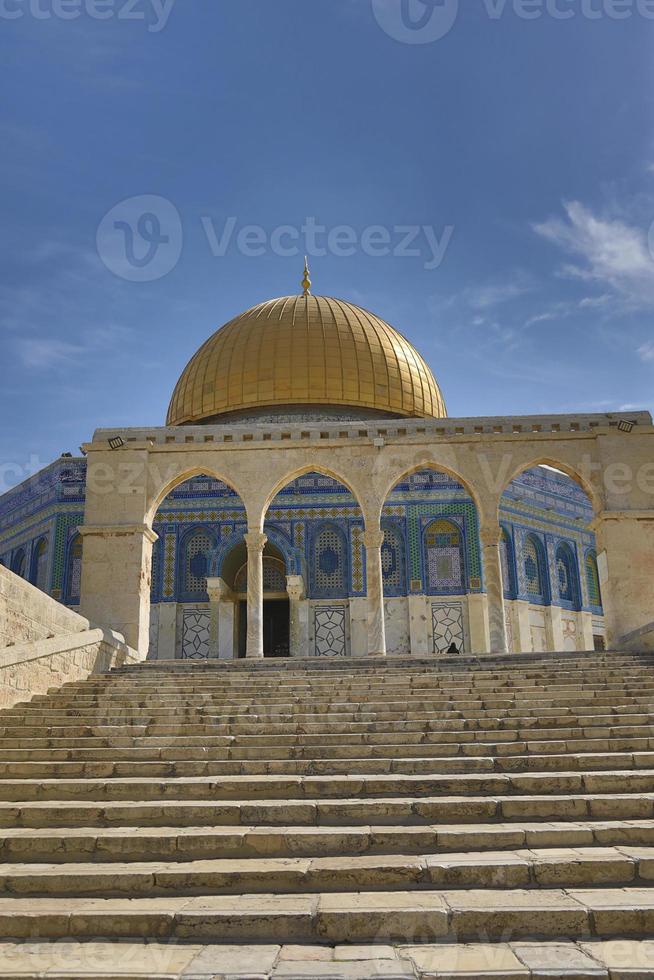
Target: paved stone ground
{"type": "Point", "coordinates": [612, 960]}
{"type": "Point", "coordinates": [399, 818]}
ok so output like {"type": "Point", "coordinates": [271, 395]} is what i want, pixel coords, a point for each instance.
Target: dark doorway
{"type": "Point", "coordinates": [276, 633]}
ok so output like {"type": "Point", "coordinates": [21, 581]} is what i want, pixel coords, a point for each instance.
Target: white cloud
{"type": "Point", "coordinates": [608, 251]}
{"type": "Point", "coordinates": [646, 352]}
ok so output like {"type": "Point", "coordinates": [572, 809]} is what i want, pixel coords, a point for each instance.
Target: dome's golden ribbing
{"type": "Point", "coordinates": [305, 350]}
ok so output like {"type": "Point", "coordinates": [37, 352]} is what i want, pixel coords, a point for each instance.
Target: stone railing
{"type": "Point", "coordinates": [44, 645]}
{"type": "Point", "coordinates": [34, 668]}
{"type": "Point", "coordinates": [27, 614]}
{"type": "Point", "coordinates": [641, 640]}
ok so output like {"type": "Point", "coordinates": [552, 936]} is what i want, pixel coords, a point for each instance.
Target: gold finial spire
{"type": "Point", "coordinates": [306, 281]}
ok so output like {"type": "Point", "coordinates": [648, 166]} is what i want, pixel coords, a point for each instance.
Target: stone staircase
{"type": "Point", "coordinates": [460, 818]}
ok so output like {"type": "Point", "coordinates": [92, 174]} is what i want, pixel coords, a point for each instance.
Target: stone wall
{"type": "Point", "coordinates": [34, 668]}
{"type": "Point", "coordinates": [28, 614]}
{"type": "Point", "coordinates": [44, 645]}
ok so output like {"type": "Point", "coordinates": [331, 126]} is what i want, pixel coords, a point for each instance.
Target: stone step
{"type": "Point", "coordinates": [326, 786]}
{"type": "Point", "coordinates": [283, 725]}
{"type": "Point", "coordinates": [636, 728]}
{"type": "Point", "coordinates": [502, 740]}
{"type": "Point", "coordinates": [335, 917]}
{"type": "Point", "coordinates": [467, 811]}
{"type": "Point", "coordinates": [509, 869]}
{"type": "Point", "coordinates": [407, 707]}
{"type": "Point", "coordinates": [201, 699]}
{"type": "Point", "coordinates": [373, 765]}
{"type": "Point", "coordinates": [520, 960]}
{"type": "Point", "coordinates": [380, 750]}
{"type": "Point", "coordinates": [58, 846]}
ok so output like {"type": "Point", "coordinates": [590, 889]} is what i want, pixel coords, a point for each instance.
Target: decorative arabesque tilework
{"type": "Point", "coordinates": [329, 563]}
{"type": "Point", "coordinates": [74, 570]}
{"type": "Point", "coordinates": [358, 560]}
{"type": "Point", "coordinates": [393, 559]}
{"type": "Point", "coordinates": [40, 560]}
{"type": "Point", "coordinates": [592, 580]}
{"type": "Point", "coordinates": [566, 577]}
{"type": "Point", "coordinates": [444, 557]}
{"type": "Point", "coordinates": [447, 626]}
{"type": "Point", "coordinates": [329, 631]}
{"type": "Point", "coordinates": [506, 560]}
{"type": "Point", "coordinates": [196, 636]}
{"type": "Point", "coordinates": [170, 547]}
{"type": "Point", "coordinates": [533, 567]}
{"type": "Point", "coordinates": [196, 563]}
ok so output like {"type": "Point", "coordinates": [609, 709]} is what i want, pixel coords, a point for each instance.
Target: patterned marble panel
{"type": "Point", "coordinates": [196, 636]}
{"type": "Point", "coordinates": [447, 625]}
{"type": "Point", "coordinates": [329, 630]}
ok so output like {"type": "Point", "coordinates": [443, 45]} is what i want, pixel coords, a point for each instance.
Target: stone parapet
{"type": "Point", "coordinates": [27, 614]}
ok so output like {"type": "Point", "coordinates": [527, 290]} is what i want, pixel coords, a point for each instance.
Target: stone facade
{"type": "Point", "coordinates": [546, 600]}
{"type": "Point", "coordinates": [430, 552]}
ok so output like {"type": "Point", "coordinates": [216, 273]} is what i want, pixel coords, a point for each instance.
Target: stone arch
{"type": "Point", "coordinates": [438, 467]}
{"type": "Point", "coordinates": [556, 463]}
{"type": "Point", "coordinates": [300, 471]}
{"type": "Point", "coordinates": [183, 476]}
{"type": "Point", "coordinates": [292, 556]}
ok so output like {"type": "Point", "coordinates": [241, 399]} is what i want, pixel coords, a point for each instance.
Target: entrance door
{"type": "Point", "coordinates": [276, 633]}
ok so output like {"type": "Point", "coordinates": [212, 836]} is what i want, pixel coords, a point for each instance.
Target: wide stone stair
{"type": "Point", "coordinates": [453, 818]}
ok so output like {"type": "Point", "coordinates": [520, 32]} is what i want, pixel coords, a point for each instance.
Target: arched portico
{"type": "Point", "coordinates": [125, 485]}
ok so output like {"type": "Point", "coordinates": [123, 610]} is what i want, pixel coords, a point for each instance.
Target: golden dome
{"type": "Point", "coordinates": [305, 351]}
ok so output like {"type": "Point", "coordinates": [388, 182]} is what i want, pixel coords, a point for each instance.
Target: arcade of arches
{"type": "Point", "coordinates": [309, 496]}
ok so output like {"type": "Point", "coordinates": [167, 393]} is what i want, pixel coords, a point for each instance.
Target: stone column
{"type": "Point", "coordinates": [420, 630]}
{"type": "Point", "coordinates": [522, 631]}
{"type": "Point", "coordinates": [490, 540]}
{"type": "Point", "coordinates": [167, 645]}
{"type": "Point", "coordinates": [373, 541]}
{"type": "Point", "coordinates": [116, 576]}
{"type": "Point", "coordinates": [255, 542]}
{"type": "Point", "coordinates": [625, 561]}
{"type": "Point", "coordinates": [586, 629]}
{"type": "Point", "coordinates": [479, 633]}
{"type": "Point", "coordinates": [554, 624]}
{"type": "Point", "coordinates": [221, 605]}
{"type": "Point", "coordinates": [298, 640]}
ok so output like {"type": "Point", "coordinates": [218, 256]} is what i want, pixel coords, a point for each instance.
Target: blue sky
{"type": "Point", "coordinates": [524, 146]}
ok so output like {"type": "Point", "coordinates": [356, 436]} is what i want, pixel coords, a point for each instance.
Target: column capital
{"type": "Point", "coordinates": [255, 540]}
{"type": "Point", "coordinates": [373, 538]}
{"type": "Point", "coordinates": [217, 589]}
{"type": "Point", "coordinates": [490, 536]}
{"type": "Point", "coordinates": [295, 587]}
{"type": "Point", "coordinates": [117, 530]}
